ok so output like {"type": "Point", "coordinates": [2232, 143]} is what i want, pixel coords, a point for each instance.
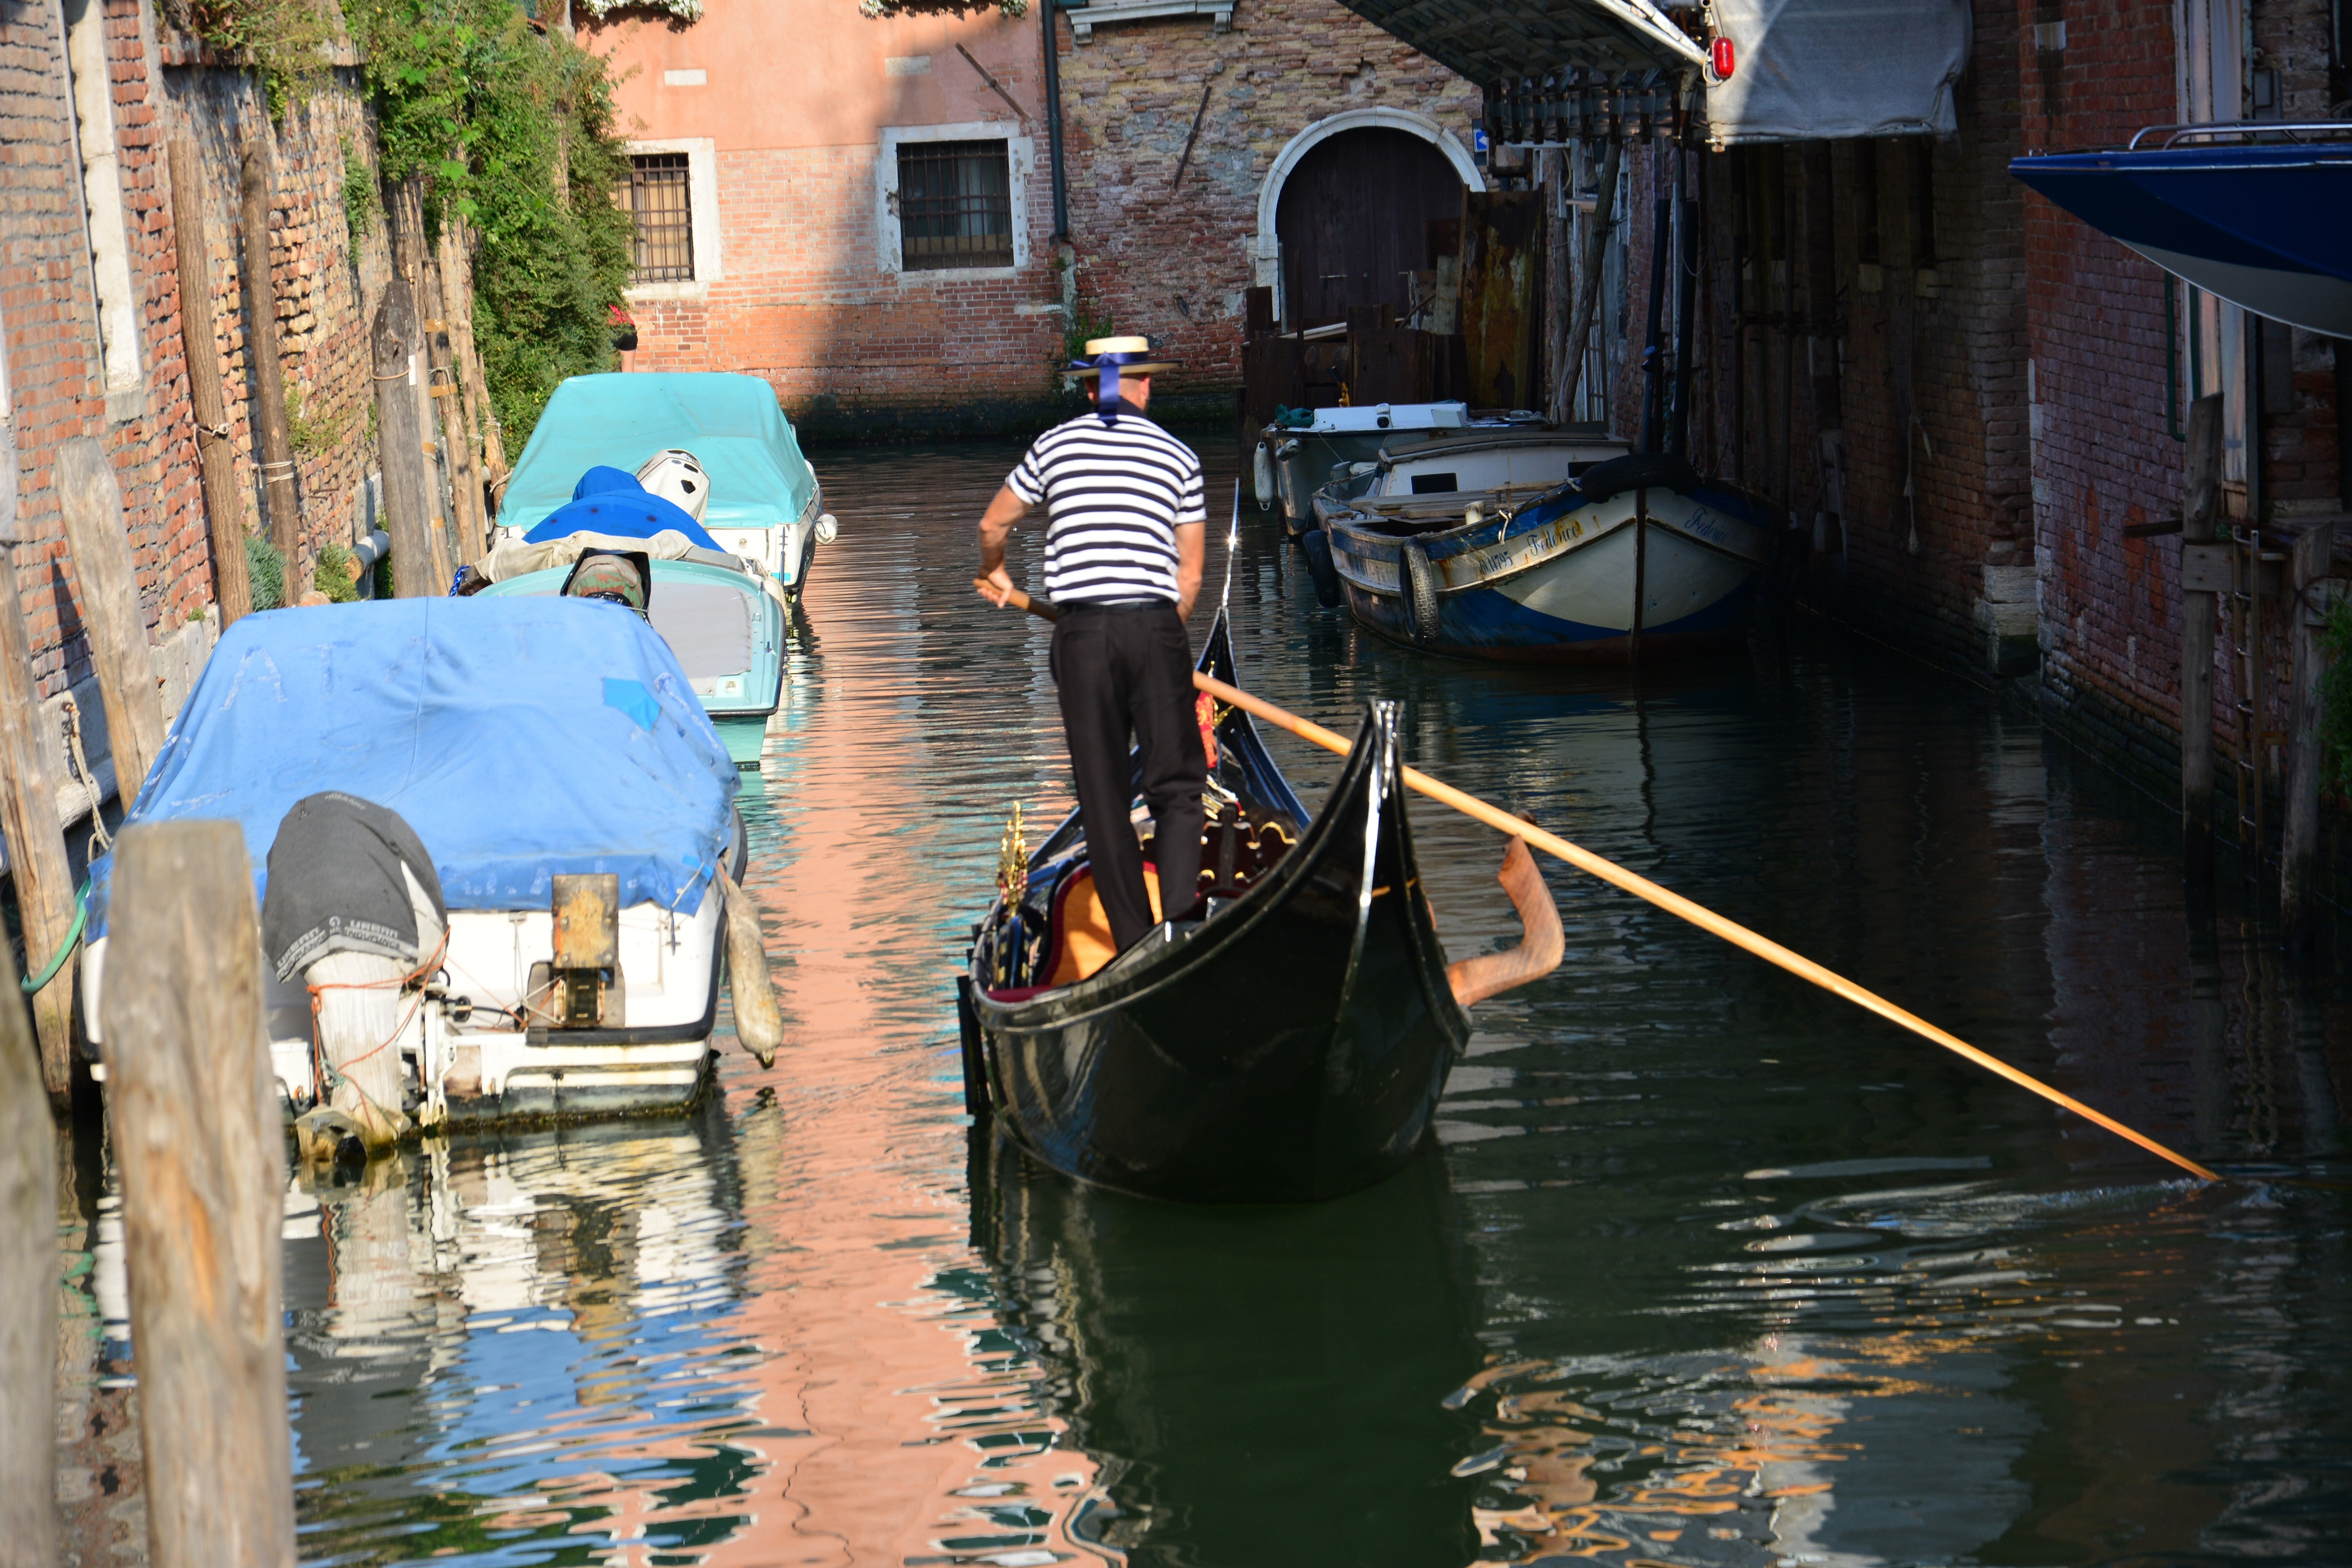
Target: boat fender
{"type": "Point", "coordinates": [1262, 474]}
{"type": "Point", "coordinates": [1420, 594]}
{"type": "Point", "coordinates": [1637, 471]}
{"type": "Point", "coordinates": [1317, 545]}
{"type": "Point", "coordinates": [759, 1022]}
{"type": "Point", "coordinates": [827, 529]}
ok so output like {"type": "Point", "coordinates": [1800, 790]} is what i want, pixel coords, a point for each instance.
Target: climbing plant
{"type": "Point", "coordinates": [284, 40]}
{"type": "Point", "coordinates": [514, 133]}
{"type": "Point", "coordinates": [878, 8]}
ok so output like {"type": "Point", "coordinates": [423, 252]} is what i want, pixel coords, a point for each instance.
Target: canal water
{"type": "Point", "coordinates": [1703, 1267]}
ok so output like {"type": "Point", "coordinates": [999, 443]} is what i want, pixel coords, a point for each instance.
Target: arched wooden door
{"type": "Point", "coordinates": [1352, 221]}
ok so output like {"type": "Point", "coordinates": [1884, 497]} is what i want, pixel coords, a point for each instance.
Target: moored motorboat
{"type": "Point", "coordinates": [1632, 558]}
{"type": "Point", "coordinates": [764, 502]}
{"type": "Point", "coordinates": [1299, 452]}
{"type": "Point", "coordinates": [1290, 1046]}
{"type": "Point", "coordinates": [575, 811]}
{"type": "Point", "coordinates": [2256, 211]}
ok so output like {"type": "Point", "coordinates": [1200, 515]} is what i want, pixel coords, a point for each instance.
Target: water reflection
{"type": "Point", "coordinates": [1704, 1270]}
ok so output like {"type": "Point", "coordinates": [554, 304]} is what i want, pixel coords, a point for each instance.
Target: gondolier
{"type": "Point", "coordinates": [1123, 549]}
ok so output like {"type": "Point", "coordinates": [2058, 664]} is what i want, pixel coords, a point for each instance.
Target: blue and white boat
{"type": "Point", "coordinates": [521, 742]}
{"type": "Point", "coordinates": [2258, 212]}
{"type": "Point", "coordinates": [764, 504]}
{"type": "Point", "coordinates": [1629, 559]}
{"type": "Point", "coordinates": [723, 615]}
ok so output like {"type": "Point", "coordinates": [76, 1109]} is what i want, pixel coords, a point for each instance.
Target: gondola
{"type": "Point", "coordinates": [1290, 1047]}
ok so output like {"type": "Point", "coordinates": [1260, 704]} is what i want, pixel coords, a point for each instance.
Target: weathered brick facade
{"type": "Point", "coordinates": [804, 295]}
{"type": "Point", "coordinates": [160, 85]}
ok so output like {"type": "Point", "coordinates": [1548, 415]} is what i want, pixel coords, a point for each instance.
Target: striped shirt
{"type": "Point", "coordinates": [1116, 495]}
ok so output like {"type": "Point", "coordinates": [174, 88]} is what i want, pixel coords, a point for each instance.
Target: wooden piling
{"type": "Point", "coordinates": [457, 311]}
{"type": "Point", "coordinates": [37, 844]}
{"type": "Point", "coordinates": [92, 504]}
{"type": "Point", "coordinates": [193, 1111]}
{"type": "Point", "coordinates": [28, 1295]}
{"type": "Point", "coordinates": [1587, 288]}
{"type": "Point", "coordinates": [457, 442]}
{"type": "Point", "coordinates": [271, 434]}
{"type": "Point", "coordinates": [407, 483]}
{"type": "Point", "coordinates": [215, 454]}
{"type": "Point", "coordinates": [469, 356]}
{"type": "Point", "coordinates": [2308, 567]}
{"type": "Point", "coordinates": [2201, 571]}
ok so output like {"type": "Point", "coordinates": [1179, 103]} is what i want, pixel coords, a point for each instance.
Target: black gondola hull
{"type": "Point", "coordinates": [1291, 1049]}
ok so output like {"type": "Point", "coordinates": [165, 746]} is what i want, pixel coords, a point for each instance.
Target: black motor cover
{"type": "Point", "coordinates": [335, 884]}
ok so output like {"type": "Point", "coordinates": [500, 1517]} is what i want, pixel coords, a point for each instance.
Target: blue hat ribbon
{"type": "Point", "coordinates": [1107, 390]}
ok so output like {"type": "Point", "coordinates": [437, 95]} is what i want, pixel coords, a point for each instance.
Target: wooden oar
{"type": "Point", "coordinates": [1673, 903]}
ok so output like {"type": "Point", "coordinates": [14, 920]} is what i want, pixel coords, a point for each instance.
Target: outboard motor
{"type": "Point", "coordinates": [355, 907]}
{"type": "Point", "coordinates": [616, 577]}
{"type": "Point", "coordinates": [676, 475]}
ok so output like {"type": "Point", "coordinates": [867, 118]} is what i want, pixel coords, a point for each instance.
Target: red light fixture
{"type": "Point", "coordinates": [1724, 57]}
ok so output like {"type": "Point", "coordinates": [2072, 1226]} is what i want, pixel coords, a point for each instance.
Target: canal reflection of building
{"type": "Point", "coordinates": [1258, 1384]}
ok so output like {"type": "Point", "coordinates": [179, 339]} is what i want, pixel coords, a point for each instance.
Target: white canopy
{"type": "Point", "coordinates": [1808, 70]}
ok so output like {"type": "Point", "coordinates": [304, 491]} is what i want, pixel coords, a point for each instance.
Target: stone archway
{"type": "Point", "coordinates": [1265, 252]}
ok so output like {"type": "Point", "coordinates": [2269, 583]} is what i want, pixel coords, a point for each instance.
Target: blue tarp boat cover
{"type": "Point", "coordinates": [610, 502]}
{"type": "Point", "coordinates": [733, 425]}
{"type": "Point", "coordinates": [521, 738]}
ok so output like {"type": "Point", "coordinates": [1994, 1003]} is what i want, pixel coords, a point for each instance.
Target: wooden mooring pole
{"type": "Point", "coordinates": [2307, 568]}
{"type": "Point", "coordinates": [271, 436]}
{"type": "Point", "coordinates": [193, 1111]}
{"type": "Point", "coordinates": [92, 504]}
{"type": "Point", "coordinates": [400, 444]}
{"type": "Point", "coordinates": [37, 841]}
{"type": "Point", "coordinates": [2204, 571]}
{"type": "Point", "coordinates": [215, 455]}
{"type": "Point", "coordinates": [28, 1295]}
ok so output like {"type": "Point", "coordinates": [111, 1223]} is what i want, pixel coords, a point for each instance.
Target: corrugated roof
{"type": "Point", "coordinates": [1488, 40]}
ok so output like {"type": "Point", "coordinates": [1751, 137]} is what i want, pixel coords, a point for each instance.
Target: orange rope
{"type": "Point", "coordinates": [1707, 919]}
{"type": "Point", "coordinates": [432, 962]}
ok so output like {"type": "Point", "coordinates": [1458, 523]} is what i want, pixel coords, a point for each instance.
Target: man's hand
{"type": "Point", "coordinates": [996, 525]}
{"type": "Point", "coordinates": [996, 588]}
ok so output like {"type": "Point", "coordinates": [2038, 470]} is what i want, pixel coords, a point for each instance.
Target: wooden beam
{"type": "Point", "coordinates": [192, 1107]}
{"type": "Point", "coordinates": [400, 444]}
{"type": "Point", "coordinates": [28, 809]}
{"type": "Point", "coordinates": [29, 1294]}
{"type": "Point", "coordinates": [92, 504]}
{"type": "Point", "coordinates": [2200, 510]}
{"type": "Point", "coordinates": [2307, 568]}
{"type": "Point", "coordinates": [200, 345]}
{"type": "Point", "coordinates": [277, 446]}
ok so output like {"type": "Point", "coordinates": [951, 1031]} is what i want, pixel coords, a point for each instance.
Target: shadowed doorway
{"type": "Point", "coordinates": [1352, 219]}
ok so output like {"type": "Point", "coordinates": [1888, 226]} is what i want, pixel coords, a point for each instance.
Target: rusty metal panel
{"type": "Point", "coordinates": [587, 910]}
{"type": "Point", "coordinates": [1502, 261]}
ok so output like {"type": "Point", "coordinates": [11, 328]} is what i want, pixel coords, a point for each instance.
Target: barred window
{"type": "Point", "coordinates": [955, 204]}
{"type": "Point", "coordinates": [659, 199]}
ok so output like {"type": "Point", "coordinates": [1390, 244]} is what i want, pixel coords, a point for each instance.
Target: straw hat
{"type": "Point", "coordinates": [1100, 349]}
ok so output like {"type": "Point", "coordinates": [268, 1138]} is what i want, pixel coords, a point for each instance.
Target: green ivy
{"type": "Point", "coordinates": [359, 194]}
{"type": "Point", "coordinates": [515, 132]}
{"type": "Point", "coordinates": [2335, 703]}
{"type": "Point", "coordinates": [283, 41]}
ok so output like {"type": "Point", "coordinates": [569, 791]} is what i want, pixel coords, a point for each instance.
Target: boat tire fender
{"type": "Point", "coordinates": [1262, 476]}
{"type": "Point", "coordinates": [1420, 586]}
{"type": "Point", "coordinates": [1637, 471]}
{"type": "Point", "coordinates": [1316, 546]}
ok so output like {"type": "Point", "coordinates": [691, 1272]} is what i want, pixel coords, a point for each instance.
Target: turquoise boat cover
{"type": "Point", "coordinates": [521, 738]}
{"type": "Point", "coordinates": [733, 425]}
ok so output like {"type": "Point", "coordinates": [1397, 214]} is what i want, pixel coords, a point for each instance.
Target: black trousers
{"type": "Point", "coordinates": [1126, 669]}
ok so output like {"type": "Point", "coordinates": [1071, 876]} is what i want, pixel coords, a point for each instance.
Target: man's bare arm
{"type": "Point", "coordinates": [996, 525]}
{"type": "Point", "coordinates": [1192, 545]}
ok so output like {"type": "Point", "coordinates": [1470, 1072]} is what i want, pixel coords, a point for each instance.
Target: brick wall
{"type": "Point", "coordinates": [163, 86]}
{"type": "Point", "coordinates": [1173, 259]}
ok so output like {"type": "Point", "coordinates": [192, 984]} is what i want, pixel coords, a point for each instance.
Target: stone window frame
{"type": "Point", "coordinates": [86, 64]}
{"type": "Point", "coordinates": [702, 211]}
{"type": "Point", "coordinates": [1020, 165]}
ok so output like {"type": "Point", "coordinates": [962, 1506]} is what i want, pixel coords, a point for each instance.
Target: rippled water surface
{"type": "Point", "coordinates": [1705, 1268]}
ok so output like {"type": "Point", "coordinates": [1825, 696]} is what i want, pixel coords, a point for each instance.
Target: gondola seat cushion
{"type": "Point", "coordinates": [1082, 940]}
